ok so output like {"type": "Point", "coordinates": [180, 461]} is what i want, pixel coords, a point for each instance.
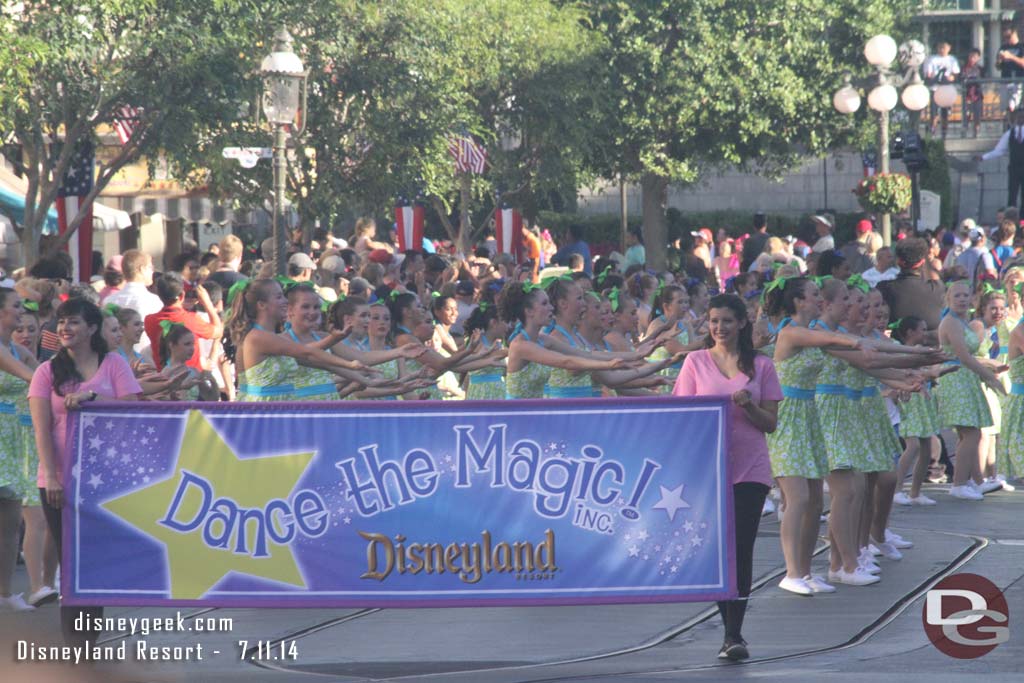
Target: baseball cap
{"type": "Point", "coordinates": [966, 225]}
{"type": "Point", "coordinates": [333, 264]}
{"type": "Point", "coordinates": [822, 219]}
{"type": "Point", "coordinates": [864, 227]}
{"type": "Point", "coordinates": [465, 288]}
{"type": "Point", "coordinates": [704, 234]}
{"type": "Point", "coordinates": [976, 233]}
{"type": "Point", "coordinates": [301, 260]}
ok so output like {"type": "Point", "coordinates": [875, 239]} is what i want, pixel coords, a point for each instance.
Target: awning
{"type": "Point", "coordinates": [108, 219]}
{"type": "Point", "coordinates": [13, 202]}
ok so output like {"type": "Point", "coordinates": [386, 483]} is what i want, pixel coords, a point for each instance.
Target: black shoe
{"type": "Point", "coordinates": [734, 650]}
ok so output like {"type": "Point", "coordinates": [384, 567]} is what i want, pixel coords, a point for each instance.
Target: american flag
{"type": "Point", "coordinates": [508, 229]}
{"type": "Point", "coordinates": [409, 217]}
{"type": "Point", "coordinates": [469, 156]}
{"type": "Point", "coordinates": [125, 121]}
{"type": "Point", "coordinates": [77, 183]}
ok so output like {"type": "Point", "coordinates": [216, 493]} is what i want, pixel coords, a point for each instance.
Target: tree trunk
{"type": "Point", "coordinates": [29, 246]}
{"type": "Point", "coordinates": [654, 197]}
{"type": "Point", "coordinates": [465, 229]}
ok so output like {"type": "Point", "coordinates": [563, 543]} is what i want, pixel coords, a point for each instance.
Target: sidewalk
{"type": "Point", "coordinates": [533, 643]}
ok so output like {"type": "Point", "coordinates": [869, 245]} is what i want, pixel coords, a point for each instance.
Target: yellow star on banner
{"type": "Point", "coordinates": [195, 566]}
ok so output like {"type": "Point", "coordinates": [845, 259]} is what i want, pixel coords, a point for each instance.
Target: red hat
{"type": "Point", "coordinates": [864, 227]}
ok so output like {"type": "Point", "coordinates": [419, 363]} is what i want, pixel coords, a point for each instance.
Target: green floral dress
{"type": "Point", "coordinates": [661, 353]}
{"type": "Point", "coordinates": [312, 384]}
{"type": "Point", "coordinates": [269, 380]}
{"type": "Point", "coordinates": [1010, 447]}
{"type": "Point", "coordinates": [995, 404]}
{"type": "Point", "coordinates": [389, 370]}
{"type": "Point", "coordinates": [564, 383]}
{"type": "Point", "coordinates": [486, 384]}
{"type": "Point", "coordinates": [528, 382]}
{"type": "Point", "coordinates": [838, 408]}
{"type": "Point", "coordinates": [797, 446]}
{"type": "Point", "coordinates": [13, 465]}
{"type": "Point", "coordinates": [919, 416]}
{"type": "Point", "coordinates": [434, 392]}
{"type": "Point", "coordinates": [885, 445]}
{"type": "Point", "coordinates": [962, 403]}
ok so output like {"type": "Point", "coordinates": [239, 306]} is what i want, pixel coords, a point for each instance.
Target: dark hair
{"type": "Point", "coordinates": [783, 299]}
{"type": "Point", "coordinates": [638, 234]}
{"type": "Point", "coordinates": [438, 303]}
{"type": "Point", "coordinates": [50, 268]}
{"type": "Point", "coordinates": [342, 307]}
{"type": "Point", "coordinates": [181, 260]}
{"type": "Point", "coordinates": [214, 291]}
{"type": "Point", "coordinates": [638, 282]}
{"type": "Point", "coordinates": [62, 365]}
{"type": "Point", "coordinates": [169, 287]}
{"type": "Point", "coordinates": [663, 297]}
{"type": "Point", "coordinates": [513, 301]}
{"type": "Point", "coordinates": [480, 319]}
{"type": "Point", "coordinates": [829, 261]}
{"type": "Point", "coordinates": [172, 337]}
{"type": "Point", "coordinates": [4, 293]}
{"type": "Point", "coordinates": [693, 286]}
{"type": "Point", "coordinates": [112, 278]}
{"type": "Point", "coordinates": [397, 306]}
{"type": "Point", "coordinates": [576, 231]}
{"type": "Point", "coordinates": [760, 221]}
{"type": "Point", "coordinates": [910, 251]}
{"type": "Point", "coordinates": [904, 326]}
{"type": "Point", "coordinates": [743, 279]}
{"type": "Point", "coordinates": [746, 337]}
{"type": "Point", "coordinates": [208, 258]}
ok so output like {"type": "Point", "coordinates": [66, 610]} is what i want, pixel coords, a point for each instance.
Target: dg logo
{"type": "Point", "coordinates": [966, 616]}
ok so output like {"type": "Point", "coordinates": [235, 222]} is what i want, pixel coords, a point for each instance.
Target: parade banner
{"type": "Point", "coordinates": [394, 504]}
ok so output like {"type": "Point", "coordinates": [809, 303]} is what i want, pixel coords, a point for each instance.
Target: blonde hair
{"type": "Point", "coordinates": [231, 248]}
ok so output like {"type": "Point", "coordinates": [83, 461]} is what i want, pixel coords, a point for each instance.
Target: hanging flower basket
{"type": "Point", "coordinates": [884, 193]}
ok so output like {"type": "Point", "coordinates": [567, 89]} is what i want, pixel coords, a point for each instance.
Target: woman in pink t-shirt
{"type": "Point", "coordinates": [730, 366]}
{"type": "Point", "coordinates": [82, 370]}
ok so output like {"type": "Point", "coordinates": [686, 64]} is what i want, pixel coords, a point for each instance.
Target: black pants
{"type": "Point", "coordinates": [68, 615]}
{"type": "Point", "coordinates": [1015, 186]}
{"type": "Point", "coordinates": [748, 501]}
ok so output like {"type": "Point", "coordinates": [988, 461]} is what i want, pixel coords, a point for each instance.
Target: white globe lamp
{"type": "Point", "coordinates": [880, 50]}
{"type": "Point", "coordinates": [846, 100]}
{"type": "Point", "coordinates": [883, 98]}
{"type": "Point", "coordinates": [946, 95]}
{"type": "Point", "coordinates": [915, 97]}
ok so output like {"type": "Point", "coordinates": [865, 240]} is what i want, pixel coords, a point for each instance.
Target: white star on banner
{"type": "Point", "coordinates": [95, 481]}
{"type": "Point", "coordinates": [671, 501]}
{"type": "Point", "coordinates": [643, 535]}
{"type": "Point", "coordinates": [95, 443]}
{"type": "Point", "coordinates": [696, 541]}
{"type": "Point", "coordinates": [688, 527]}
{"type": "Point", "coordinates": [633, 551]}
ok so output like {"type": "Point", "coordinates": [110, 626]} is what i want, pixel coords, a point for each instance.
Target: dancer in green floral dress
{"type": "Point", "coordinates": [1011, 441]}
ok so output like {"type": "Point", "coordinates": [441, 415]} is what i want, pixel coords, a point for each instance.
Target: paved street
{"type": "Point", "coordinates": [875, 630]}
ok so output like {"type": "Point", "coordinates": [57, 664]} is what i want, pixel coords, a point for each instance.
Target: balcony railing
{"type": "Point", "coordinates": [994, 97]}
{"type": "Point", "coordinates": [953, 6]}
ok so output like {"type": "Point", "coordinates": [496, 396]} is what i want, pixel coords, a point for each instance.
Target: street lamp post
{"type": "Point", "coordinates": [880, 52]}
{"type": "Point", "coordinates": [284, 99]}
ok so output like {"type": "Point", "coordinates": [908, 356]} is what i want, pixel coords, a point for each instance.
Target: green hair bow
{"type": "Point", "coordinates": [235, 290]}
{"type": "Point", "coordinates": [111, 310]}
{"type": "Point", "coordinates": [531, 286]}
{"type": "Point", "coordinates": [550, 280]}
{"type": "Point", "coordinates": [895, 325]}
{"type": "Point", "coordinates": [594, 295]}
{"type": "Point", "coordinates": [483, 306]}
{"type": "Point", "coordinates": [394, 294]}
{"type": "Point", "coordinates": [820, 279]}
{"type": "Point", "coordinates": [951, 283]}
{"type": "Point", "coordinates": [776, 283]}
{"type": "Point", "coordinates": [434, 295]}
{"type": "Point", "coordinates": [30, 306]}
{"type": "Point", "coordinates": [857, 282]}
{"type": "Point", "coordinates": [613, 297]}
{"type": "Point", "coordinates": [657, 292]}
{"type": "Point", "coordinates": [988, 288]}
{"type": "Point", "coordinates": [285, 282]}
{"type": "Point", "coordinates": [604, 274]}
{"type": "Point", "coordinates": [167, 326]}
{"type": "Point", "coordinates": [1019, 287]}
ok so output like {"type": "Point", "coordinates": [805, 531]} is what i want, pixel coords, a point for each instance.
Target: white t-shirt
{"type": "Point", "coordinates": [939, 67]}
{"type": "Point", "coordinates": [873, 277]}
{"type": "Point", "coordinates": [826, 243]}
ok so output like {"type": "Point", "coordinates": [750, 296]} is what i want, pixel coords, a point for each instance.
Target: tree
{"type": "Point", "coordinates": [76, 63]}
{"type": "Point", "coordinates": [702, 84]}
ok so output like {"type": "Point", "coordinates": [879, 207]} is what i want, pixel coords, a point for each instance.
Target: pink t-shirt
{"type": "Point", "coordinates": [748, 449]}
{"type": "Point", "coordinates": [113, 378]}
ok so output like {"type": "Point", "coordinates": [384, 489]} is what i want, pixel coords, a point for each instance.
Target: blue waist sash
{"type": "Point", "coordinates": [568, 392]}
{"type": "Point", "coordinates": [952, 362]}
{"type": "Point", "coordinates": [486, 379]}
{"type": "Point", "coordinates": [832, 390]}
{"type": "Point", "coordinates": [675, 366]}
{"type": "Point", "coordinates": [869, 391]}
{"type": "Point", "coordinates": [314, 390]}
{"type": "Point", "coordinates": [8, 408]}
{"type": "Point", "coordinates": [1017, 389]}
{"type": "Point", "coordinates": [25, 420]}
{"type": "Point", "coordinates": [272, 390]}
{"type": "Point", "coordinates": [795, 392]}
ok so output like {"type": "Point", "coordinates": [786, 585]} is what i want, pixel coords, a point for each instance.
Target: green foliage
{"type": "Point", "coordinates": [884, 192]}
{"type": "Point", "coordinates": [936, 178]}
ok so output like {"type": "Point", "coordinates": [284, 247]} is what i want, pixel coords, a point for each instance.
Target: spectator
{"type": "Point", "coordinates": [693, 260]}
{"type": "Point", "coordinates": [858, 253]}
{"type": "Point", "coordinates": [974, 99]}
{"type": "Point", "coordinates": [137, 267]}
{"type": "Point", "coordinates": [113, 278]}
{"type": "Point", "coordinates": [727, 263]}
{"type": "Point", "coordinates": [832, 263]}
{"type": "Point", "coordinates": [465, 295]}
{"type": "Point", "coordinates": [230, 255]}
{"type": "Point", "coordinates": [1010, 61]}
{"type": "Point", "coordinates": [960, 244]}
{"type": "Point", "coordinates": [171, 289]}
{"type": "Point", "coordinates": [976, 260]}
{"type": "Point", "coordinates": [939, 69]}
{"type": "Point", "coordinates": [754, 245]}
{"type": "Point", "coordinates": [575, 245]}
{"type": "Point", "coordinates": [533, 251]}
{"type": "Point", "coordinates": [702, 243]}
{"type": "Point", "coordinates": [910, 293]}
{"type": "Point", "coordinates": [301, 267]}
{"type": "Point", "coordinates": [884, 269]}
{"type": "Point", "coordinates": [1011, 144]}
{"type": "Point", "coordinates": [823, 227]}
{"type": "Point", "coordinates": [636, 254]}
{"type": "Point", "coordinates": [576, 263]}
{"type": "Point", "coordinates": [1004, 236]}
{"type": "Point", "coordinates": [364, 239]}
